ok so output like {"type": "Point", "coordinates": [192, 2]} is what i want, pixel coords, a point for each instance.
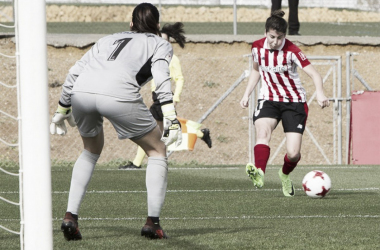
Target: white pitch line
{"type": "Point", "coordinates": [243, 217]}
{"type": "Point", "coordinates": [222, 190]}
{"type": "Point", "coordinates": [274, 167]}
{"type": "Point", "coordinates": [199, 191]}
{"type": "Point", "coordinates": [234, 168]}
{"type": "Point", "coordinates": [229, 168]}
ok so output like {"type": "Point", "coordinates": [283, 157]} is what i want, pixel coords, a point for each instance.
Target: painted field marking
{"type": "Point", "coordinates": [243, 217]}
{"type": "Point", "coordinates": [198, 191]}
{"type": "Point", "coordinates": [229, 168]}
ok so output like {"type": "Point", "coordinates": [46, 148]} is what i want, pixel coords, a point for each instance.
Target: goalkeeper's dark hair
{"type": "Point", "coordinates": [276, 22]}
{"type": "Point", "coordinates": [145, 19]}
{"type": "Point", "coordinates": [176, 32]}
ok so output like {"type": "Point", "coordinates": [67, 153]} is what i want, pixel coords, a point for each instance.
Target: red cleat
{"type": "Point", "coordinates": [153, 231]}
{"type": "Point", "coordinates": [70, 227]}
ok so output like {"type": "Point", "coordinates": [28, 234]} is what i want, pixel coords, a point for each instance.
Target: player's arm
{"type": "Point", "coordinates": [73, 74]}
{"type": "Point", "coordinates": [253, 79]}
{"type": "Point", "coordinates": [318, 82]}
{"type": "Point", "coordinates": [160, 70]}
{"type": "Point", "coordinates": [161, 73]}
{"type": "Point", "coordinates": [64, 112]}
{"type": "Point", "coordinates": [177, 76]}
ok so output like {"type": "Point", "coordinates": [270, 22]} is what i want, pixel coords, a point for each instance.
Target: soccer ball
{"type": "Point", "coordinates": [316, 184]}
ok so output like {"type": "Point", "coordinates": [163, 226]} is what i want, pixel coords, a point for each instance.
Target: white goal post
{"type": "Point", "coordinates": [34, 139]}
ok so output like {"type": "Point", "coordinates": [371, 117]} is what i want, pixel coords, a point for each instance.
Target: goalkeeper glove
{"type": "Point", "coordinates": [172, 127]}
{"type": "Point", "coordinates": [57, 125]}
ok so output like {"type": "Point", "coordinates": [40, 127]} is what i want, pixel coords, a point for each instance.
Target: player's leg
{"type": "Point", "coordinates": [276, 5]}
{"type": "Point", "coordinates": [156, 112]}
{"type": "Point", "coordinates": [81, 176]}
{"type": "Point", "coordinates": [83, 169]}
{"type": "Point", "coordinates": [139, 157]}
{"type": "Point", "coordinates": [156, 174]}
{"type": "Point", "coordinates": [133, 120]}
{"type": "Point", "coordinates": [137, 162]}
{"type": "Point", "coordinates": [90, 127]}
{"type": "Point", "coordinates": [292, 157]}
{"type": "Point", "coordinates": [293, 152]}
{"type": "Point", "coordinates": [264, 128]}
{"type": "Point", "coordinates": [156, 181]}
{"type": "Point", "coordinates": [294, 119]}
{"type": "Point", "coordinates": [294, 24]}
{"type": "Point", "coordinates": [204, 134]}
{"type": "Point", "coordinates": [265, 119]}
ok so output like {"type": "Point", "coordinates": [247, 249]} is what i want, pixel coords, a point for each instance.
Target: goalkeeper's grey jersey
{"type": "Point", "coordinates": [119, 65]}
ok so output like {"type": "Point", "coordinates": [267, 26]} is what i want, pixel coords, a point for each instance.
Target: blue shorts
{"type": "Point", "coordinates": [292, 114]}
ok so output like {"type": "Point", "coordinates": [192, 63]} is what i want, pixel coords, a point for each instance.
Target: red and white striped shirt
{"type": "Point", "coordinates": [278, 70]}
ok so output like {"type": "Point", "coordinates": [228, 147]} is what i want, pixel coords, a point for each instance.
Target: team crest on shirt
{"type": "Point", "coordinates": [303, 57]}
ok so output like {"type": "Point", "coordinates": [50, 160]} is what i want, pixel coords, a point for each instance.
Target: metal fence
{"type": "Point", "coordinates": [213, 89]}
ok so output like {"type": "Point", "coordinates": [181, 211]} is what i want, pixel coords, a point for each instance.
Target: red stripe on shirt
{"type": "Point", "coordinates": [274, 78]}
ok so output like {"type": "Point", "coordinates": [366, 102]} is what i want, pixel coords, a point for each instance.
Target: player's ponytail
{"type": "Point", "coordinates": [276, 22]}
{"type": "Point", "coordinates": [176, 32]}
{"type": "Point", "coordinates": [145, 19]}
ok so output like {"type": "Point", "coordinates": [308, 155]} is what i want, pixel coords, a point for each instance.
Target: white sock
{"type": "Point", "coordinates": [81, 176]}
{"type": "Point", "coordinates": [156, 183]}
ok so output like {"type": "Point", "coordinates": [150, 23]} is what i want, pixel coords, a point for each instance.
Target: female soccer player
{"type": "Point", "coordinates": [105, 82]}
{"type": "Point", "coordinates": [174, 31]}
{"type": "Point", "coordinates": [282, 98]}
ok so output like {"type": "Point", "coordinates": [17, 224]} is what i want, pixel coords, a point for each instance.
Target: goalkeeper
{"type": "Point", "coordinates": [106, 82]}
{"type": "Point", "coordinates": [174, 31]}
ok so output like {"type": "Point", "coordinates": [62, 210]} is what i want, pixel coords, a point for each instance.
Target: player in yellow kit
{"type": "Point", "coordinates": [174, 31]}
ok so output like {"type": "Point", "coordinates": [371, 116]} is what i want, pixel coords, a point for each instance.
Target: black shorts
{"type": "Point", "coordinates": [155, 109]}
{"type": "Point", "coordinates": [292, 114]}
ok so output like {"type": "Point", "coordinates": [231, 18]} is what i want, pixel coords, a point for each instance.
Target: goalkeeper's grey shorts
{"type": "Point", "coordinates": [130, 119]}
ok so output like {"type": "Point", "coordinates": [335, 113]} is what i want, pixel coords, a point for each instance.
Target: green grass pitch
{"type": "Point", "coordinates": [211, 207]}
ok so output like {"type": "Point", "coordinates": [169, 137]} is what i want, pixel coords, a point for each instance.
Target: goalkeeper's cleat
{"type": "Point", "coordinates": [129, 165]}
{"type": "Point", "coordinates": [153, 230]}
{"type": "Point", "coordinates": [206, 137]}
{"type": "Point", "coordinates": [287, 185]}
{"type": "Point", "coordinates": [70, 227]}
{"type": "Point", "coordinates": [256, 175]}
